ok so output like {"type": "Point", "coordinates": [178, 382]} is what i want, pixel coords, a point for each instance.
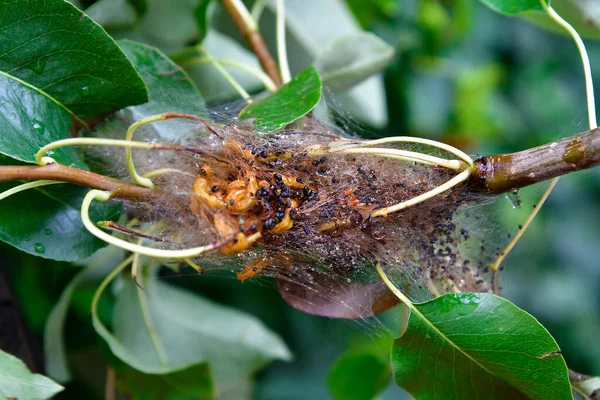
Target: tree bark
{"type": "Point", "coordinates": [505, 172]}
{"type": "Point", "coordinates": [63, 173]}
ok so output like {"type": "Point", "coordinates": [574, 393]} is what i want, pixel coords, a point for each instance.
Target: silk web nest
{"type": "Point", "coordinates": [313, 207]}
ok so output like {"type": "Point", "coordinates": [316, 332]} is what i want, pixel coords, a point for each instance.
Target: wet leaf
{"type": "Point", "coordinates": [46, 222]}
{"type": "Point", "coordinates": [358, 375]}
{"type": "Point", "coordinates": [191, 383]}
{"type": "Point", "coordinates": [292, 101]}
{"type": "Point", "coordinates": [55, 64]}
{"type": "Point", "coordinates": [29, 121]}
{"type": "Point", "coordinates": [181, 329]}
{"type": "Point", "coordinates": [56, 49]}
{"type": "Point", "coordinates": [478, 346]}
{"type": "Point", "coordinates": [351, 59]}
{"type": "Point", "coordinates": [16, 381]}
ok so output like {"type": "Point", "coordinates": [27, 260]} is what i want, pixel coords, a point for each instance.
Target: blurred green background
{"type": "Point", "coordinates": [462, 74]}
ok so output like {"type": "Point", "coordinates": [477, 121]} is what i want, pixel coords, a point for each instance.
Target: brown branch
{"type": "Point", "coordinates": [63, 173]}
{"type": "Point", "coordinates": [505, 172]}
{"type": "Point", "coordinates": [109, 386]}
{"type": "Point", "coordinates": [256, 42]}
{"type": "Point", "coordinates": [492, 174]}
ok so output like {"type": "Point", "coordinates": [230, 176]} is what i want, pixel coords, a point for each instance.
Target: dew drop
{"type": "Point", "coordinates": [39, 248]}
{"type": "Point", "coordinates": [39, 126]}
{"type": "Point", "coordinates": [48, 232]}
{"type": "Point", "coordinates": [513, 198]}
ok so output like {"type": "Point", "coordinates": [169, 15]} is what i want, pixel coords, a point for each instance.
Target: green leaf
{"type": "Point", "coordinates": [583, 15]}
{"type": "Point", "coordinates": [56, 63]}
{"type": "Point", "coordinates": [292, 101]}
{"type": "Point", "coordinates": [164, 329]}
{"type": "Point", "coordinates": [478, 346]}
{"type": "Point", "coordinates": [29, 121]}
{"type": "Point", "coordinates": [191, 383]}
{"type": "Point", "coordinates": [353, 58]}
{"type": "Point", "coordinates": [170, 90]}
{"type": "Point", "coordinates": [56, 49]}
{"type": "Point", "coordinates": [358, 375]}
{"type": "Point", "coordinates": [201, 14]}
{"type": "Point", "coordinates": [55, 355]}
{"type": "Point", "coordinates": [514, 6]}
{"type": "Point", "coordinates": [46, 222]}
{"type": "Point", "coordinates": [16, 381]}
{"type": "Point", "coordinates": [169, 87]}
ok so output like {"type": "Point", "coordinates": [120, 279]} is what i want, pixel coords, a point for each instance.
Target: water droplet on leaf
{"type": "Point", "coordinates": [513, 198]}
{"type": "Point", "coordinates": [39, 126]}
{"type": "Point", "coordinates": [39, 248]}
{"type": "Point", "coordinates": [48, 232]}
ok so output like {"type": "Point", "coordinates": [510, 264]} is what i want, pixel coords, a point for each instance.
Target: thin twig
{"type": "Point", "coordinates": [112, 225]}
{"type": "Point", "coordinates": [109, 388]}
{"type": "Point", "coordinates": [63, 173]}
{"type": "Point", "coordinates": [248, 28]}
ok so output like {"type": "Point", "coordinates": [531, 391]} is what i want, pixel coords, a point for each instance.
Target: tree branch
{"type": "Point", "coordinates": [254, 39]}
{"type": "Point", "coordinates": [505, 172]}
{"type": "Point", "coordinates": [63, 173]}
{"type": "Point", "coordinates": [492, 174]}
